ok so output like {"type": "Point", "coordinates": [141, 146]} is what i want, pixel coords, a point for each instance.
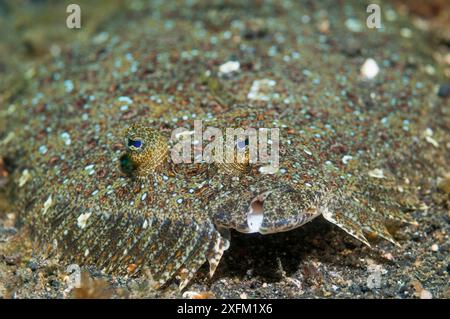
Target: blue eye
{"type": "Point", "coordinates": [242, 144]}
{"type": "Point", "coordinates": [136, 143]}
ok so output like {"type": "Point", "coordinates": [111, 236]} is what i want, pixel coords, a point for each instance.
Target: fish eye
{"type": "Point", "coordinates": [135, 143]}
{"type": "Point", "coordinates": [241, 144]}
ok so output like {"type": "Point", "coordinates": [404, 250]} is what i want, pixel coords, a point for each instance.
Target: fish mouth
{"type": "Point", "coordinates": [255, 214]}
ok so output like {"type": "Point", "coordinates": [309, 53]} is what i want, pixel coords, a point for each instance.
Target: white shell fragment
{"type": "Point", "coordinates": [370, 69]}
{"type": "Point", "coordinates": [261, 90]}
{"type": "Point", "coordinates": [268, 169]}
{"type": "Point", "coordinates": [346, 159]}
{"type": "Point", "coordinates": [24, 178]}
{"type": "Point", "coordinates": [7, 139]}
{"type": "Point", "coordinates": [428, 136]}
{"type": "Point", "coordinates": [48, 203]}
{"type": "Point", "coordinates": [229, 67]}
{"type": "Point", "coordinates": [377, 173]}
{"type": "Point", "coordinates": [82, 220]}
{"type": "Point", "coordinates": [66, 138]}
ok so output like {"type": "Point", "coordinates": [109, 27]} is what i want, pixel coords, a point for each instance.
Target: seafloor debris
{"type": "Point", "coordinates": [90, 288]}
{"type": "Point", "coordinates": [3, 173]}
{"type": "Point", "coordinates": [444, 183]}
{"type": "Point", "coordinates": [369, 69]}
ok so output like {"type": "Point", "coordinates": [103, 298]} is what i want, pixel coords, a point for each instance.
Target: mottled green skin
{"type": "Point", "coordinates": [176, 219]}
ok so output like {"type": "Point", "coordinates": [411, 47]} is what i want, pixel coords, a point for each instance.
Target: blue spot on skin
{"type": "Point", "coordinates": [136, 143]}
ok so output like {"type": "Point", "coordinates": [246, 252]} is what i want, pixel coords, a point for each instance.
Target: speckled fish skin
{"type": "Point", "coordinates": [355, 151]}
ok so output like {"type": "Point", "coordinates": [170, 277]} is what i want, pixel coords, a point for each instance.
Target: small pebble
{"type": "Point", "coordinates": [435, 247]}
{"type": "Point", "coordinates": [68, 85]}
{"type": "Point", "coordinates": [229, 67]}
{"type": "Point", "coordinates": [66, 138]}
{"type": "Point", "coordinates": [261, 90]}
{"type": "Point", "coordinates": [370, 69]}
{"type": "Point", "coordinates": [43, 149]}
{"type": "Point", "coordinates": [346, 159]}
{"type": "Point", "coordinates": [24, 178]}
{"type": "Point", "coordinates": [388, 256]}
{"type": "Point", "coordinates": [354, 25]}
{"type": "Point", "coordinates": [425, 294]}
{"type": "Point", "coordinates": [444, 90]}
{"type": "Point", "coordinates": [406, 33]}
{"type": "Point", "coordinates": [444, 183]}
{"type": "Point", "coordinates": [125, 99]}
{"type": "Point", "coordinates": [377, 173]}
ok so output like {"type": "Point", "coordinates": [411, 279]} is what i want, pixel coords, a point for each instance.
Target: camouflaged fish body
{"type": "Point", "coordinates": [175, 217]}
{"type": "Point", "coordinates": [353, 150]}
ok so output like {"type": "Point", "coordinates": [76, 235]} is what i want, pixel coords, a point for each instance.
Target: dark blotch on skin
{"type": "Point", "coordinates": [444, 90]}
{"type": "Point", "coordinates": [126, 165]}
